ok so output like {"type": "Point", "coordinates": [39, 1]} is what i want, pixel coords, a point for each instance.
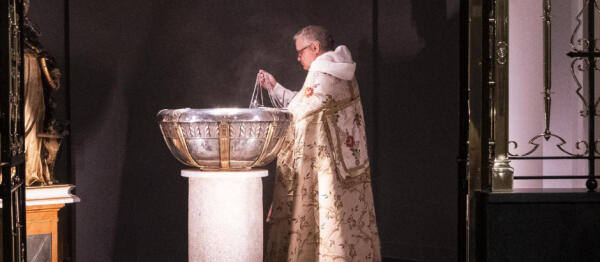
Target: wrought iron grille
{"type": "Point", "coordinates": [12, 155]}
{"type": "Point", "coordinates": [585, 56]}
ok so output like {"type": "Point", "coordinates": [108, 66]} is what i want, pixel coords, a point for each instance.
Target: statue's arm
{"type": "Point", "coordinates": [51, 74]}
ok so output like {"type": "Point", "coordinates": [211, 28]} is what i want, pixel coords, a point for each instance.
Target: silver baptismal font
{"type": "Point", "coordinates": [224, 138]}
{"type": "Point", "coordinates": [223, 146]}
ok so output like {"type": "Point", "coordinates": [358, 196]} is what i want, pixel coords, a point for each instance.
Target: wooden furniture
{"type": "Point", "coordinates": [42, 218]}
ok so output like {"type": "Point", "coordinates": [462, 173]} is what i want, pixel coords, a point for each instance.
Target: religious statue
{"type": "Point", "coordinates": [43, 132]}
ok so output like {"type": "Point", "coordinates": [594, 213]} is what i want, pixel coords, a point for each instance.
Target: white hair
{"type": "Point", "coordinates": [317, 33]}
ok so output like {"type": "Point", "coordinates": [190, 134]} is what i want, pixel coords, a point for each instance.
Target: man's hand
{"type": "Point", "coordinates": [266, 80]}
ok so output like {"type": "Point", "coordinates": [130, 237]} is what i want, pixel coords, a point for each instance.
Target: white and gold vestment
{"type": "Point", "coordinates": [323, 202]}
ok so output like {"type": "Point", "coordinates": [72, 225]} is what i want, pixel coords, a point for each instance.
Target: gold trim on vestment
{"type": "Point", "coordinates": [338, 148]}
{"type": "Point", "coordinates": [330, 110]}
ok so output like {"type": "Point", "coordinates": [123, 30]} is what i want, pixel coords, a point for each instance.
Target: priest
{"type": "Point", "coordinates": [322, 206]}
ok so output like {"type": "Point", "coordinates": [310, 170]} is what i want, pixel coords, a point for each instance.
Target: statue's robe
{"type": "Point", "coordinates": [35, 110]}
{"type": "Point", "coordinates": [41, 143]}
{"type": "Point", "coordinates": [323, 202]}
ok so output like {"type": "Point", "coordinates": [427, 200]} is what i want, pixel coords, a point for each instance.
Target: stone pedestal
{"type": "Point", "coordinates": [225, 215]}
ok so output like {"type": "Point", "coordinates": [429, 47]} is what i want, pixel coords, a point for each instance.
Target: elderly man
{"type": "Point", "coordinates": [323, 202]}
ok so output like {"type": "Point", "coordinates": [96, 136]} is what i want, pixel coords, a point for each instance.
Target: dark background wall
{"type": "Point", "coordinates": [131, 58]}
{"type": "Point", "coordinates": [417, 129]}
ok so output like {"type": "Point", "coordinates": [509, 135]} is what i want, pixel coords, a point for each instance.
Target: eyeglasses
{"type": "Point", "coordinates": [302, 49]}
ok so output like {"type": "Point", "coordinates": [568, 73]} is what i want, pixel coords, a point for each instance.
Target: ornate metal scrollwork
{"type": "Point", "coordinates": [579, 64]}
{"type": "Point", "coordinates": [596, 150]}
{"type": "Point", "coordinates": [596, 68]}
{"type": "Point", "coordinates": [12, 157]}
{"type": "Point", "coordinates": [596, 6]}
{"type": "Point", "coordinates": [547, 137]}
{"type": "Point", "coordinates": [501, 52]}
{"type": "Point", "coordinates": [581, 44]}
{"type": "Point", "coordinates": [15, 53]}
{"type": "Point", "coordinates": [582, 65]}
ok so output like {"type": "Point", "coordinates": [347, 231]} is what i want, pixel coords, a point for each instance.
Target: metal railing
{"type": "Point", "coordinates": [585, 58]}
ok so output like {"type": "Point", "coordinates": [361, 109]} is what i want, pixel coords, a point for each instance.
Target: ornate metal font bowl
{"type": "Point", "coordinates": [224, 138]}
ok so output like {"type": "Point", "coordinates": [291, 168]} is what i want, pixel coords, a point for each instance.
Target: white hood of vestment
{"type": "Point", "coordinates": [337, 63]}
